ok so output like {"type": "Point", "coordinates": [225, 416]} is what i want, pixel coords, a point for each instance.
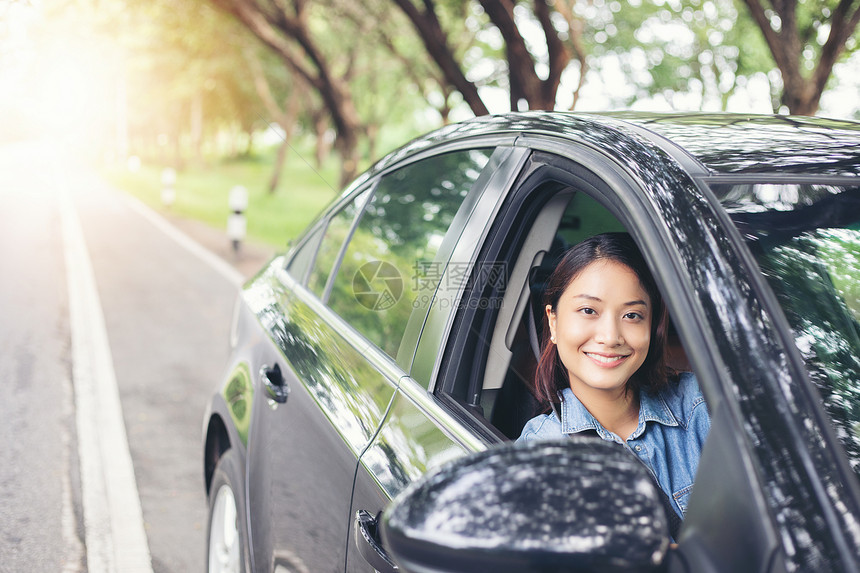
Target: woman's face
{"type": "Point", "coordinates": [602, 327]}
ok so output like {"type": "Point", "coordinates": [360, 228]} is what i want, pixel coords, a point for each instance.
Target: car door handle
{"type": "Point", "coordinates": [276, 387]}
{"type": "Point", "coordinates": [369, 547]}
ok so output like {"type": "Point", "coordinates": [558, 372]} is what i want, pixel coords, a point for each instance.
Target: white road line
{"type": "Point", "coordinates": [113, 521]}
{"type": "Point", "coordinates": [73, 552]}
{"type": "Point", "coordinates": [217, 263]}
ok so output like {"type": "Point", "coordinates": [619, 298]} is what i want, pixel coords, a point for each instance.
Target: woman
{"type": "Point", "coordinates": [603, 365]}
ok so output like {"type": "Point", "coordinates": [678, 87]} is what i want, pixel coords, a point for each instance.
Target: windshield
{"type": "Point", "coordinates": [807, 242]}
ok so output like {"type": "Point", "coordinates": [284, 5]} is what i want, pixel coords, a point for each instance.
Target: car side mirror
{"type": "Point", "coordinates": [576, 505]}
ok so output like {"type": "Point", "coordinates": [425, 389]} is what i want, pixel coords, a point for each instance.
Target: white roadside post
{"type": "Point", "coordinates": [236, 223]}
{"type": "Point", "coordinates": [168, 191]}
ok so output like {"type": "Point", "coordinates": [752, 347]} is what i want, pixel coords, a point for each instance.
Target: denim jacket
{"type": "Point", "coordinates": [668, 440]}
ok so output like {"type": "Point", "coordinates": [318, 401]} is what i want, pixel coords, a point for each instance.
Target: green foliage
{"type": "Point", "coordinates": [813, 25]}
{"type": "Point", "coordinates": [706, 47]}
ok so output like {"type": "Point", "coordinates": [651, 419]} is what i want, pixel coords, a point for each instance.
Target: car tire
{"type": "Point", "coordinates": [225, 552]}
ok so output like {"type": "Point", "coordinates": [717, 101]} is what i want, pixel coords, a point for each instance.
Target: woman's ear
{"type": "Point", "coordinates": [550, 317]}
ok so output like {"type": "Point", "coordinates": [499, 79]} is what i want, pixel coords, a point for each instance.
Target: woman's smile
{"type": "Point", "coordinates": [607, 360]}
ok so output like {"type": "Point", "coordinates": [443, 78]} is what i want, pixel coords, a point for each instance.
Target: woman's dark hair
{"type": "Point", "coordinates": [653, 375]}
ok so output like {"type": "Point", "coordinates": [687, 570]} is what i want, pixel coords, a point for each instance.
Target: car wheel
{"type": "Point", "coordinates": [224, 547]}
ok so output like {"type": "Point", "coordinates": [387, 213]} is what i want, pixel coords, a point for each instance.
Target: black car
{"type": "Point", "coordinates": [392, 350]}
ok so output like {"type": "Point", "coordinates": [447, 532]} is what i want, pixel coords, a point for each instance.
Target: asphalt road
{"type": "Point", "coordinates": [154, 335]}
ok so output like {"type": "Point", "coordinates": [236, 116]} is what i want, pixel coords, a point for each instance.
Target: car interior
{"type": "Point", "coordinates": [509, 345]}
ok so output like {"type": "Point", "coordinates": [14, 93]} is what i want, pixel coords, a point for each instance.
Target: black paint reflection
{"type": "Point", "coordinates": [807, 242]}
{"type": "Point", "coordinates": [737, 143]}
{"type": "Point", "coordinates": [350, 392]}
{"type": "Point", "coordinates": [726, 143]}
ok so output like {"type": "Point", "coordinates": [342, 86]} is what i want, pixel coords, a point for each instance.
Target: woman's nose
{"type": "Point", "coordinates": [608, 332]}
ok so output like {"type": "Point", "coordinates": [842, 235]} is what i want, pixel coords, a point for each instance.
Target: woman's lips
{"type": "Point", "coordinates": [607, 360]}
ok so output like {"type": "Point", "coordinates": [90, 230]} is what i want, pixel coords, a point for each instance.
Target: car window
{"type": "Point", "coordinates": [807, 243]}
{"type": "Point", "coordinates": [384, 268]}
{"type": "Point", "coordinates": [507, 354]}
{"type": "Point", "coordinates": [336, 234]}
{"type": "Point", "coordinates": [488, 372]}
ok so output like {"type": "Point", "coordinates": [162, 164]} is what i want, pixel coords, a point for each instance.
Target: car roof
{"type": "Point", "coordinates": [721, 143]}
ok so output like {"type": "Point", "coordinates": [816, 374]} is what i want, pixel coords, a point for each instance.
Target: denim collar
{"type": "Point", "coordinates": [576, 418]}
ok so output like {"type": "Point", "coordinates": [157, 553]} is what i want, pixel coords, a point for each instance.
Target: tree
{"type": "Point", "coordinates": [287, 27]}
{"type": "Point", "coordinates": [533, 71]}
{"type": "Point", "coordinates": [671, 48]}
{"type": "Point", "coordinates": [411, 70]}
{"type": "Point", "coordinates": [806, 41]}
{"type": "Point", "coordinates": [525, 84]}
{"type": "Point", "coordinates": [435, 38]}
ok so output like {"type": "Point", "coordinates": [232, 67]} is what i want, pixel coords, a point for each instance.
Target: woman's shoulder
{"type": "Point", "coordinates": [684, 397]}
{"type": "Point", "coordinates": [688, 384]}
{"type": "Point", "coordinates": [683, 385]}
{"type": "Point", "coordinates": [541, 427]}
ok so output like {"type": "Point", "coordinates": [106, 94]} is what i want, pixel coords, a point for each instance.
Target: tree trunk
{"type": "Point", "coordinates": [249, 147]}
{"type": "Point", "coordinates": [322, 144]}
{"type": "Point", "coordinates": [347, 146]}
{"type": "Point", "coordinates": [436, 43]}
{"type": "Point", "coordinates": [576, 29]}
{"type": "Point", "coordinates": [286, 117]}
{"type": "Point", "coordinates": [197, 126]}
{"type": "Point", "coordinates": [279, 166]}
{"type": "Point", "coordinates": [802, 94]}
{"type": "Point", "coordinates": [372, 140]}
{"type": "Point", "coordinates": [525, 84]}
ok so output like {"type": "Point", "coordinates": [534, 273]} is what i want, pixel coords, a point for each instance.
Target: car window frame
{"type": "Point", "coordinates": [539, 171]}
{"type": "Point", "coordinates": [305, 253]}
{"type": "Point", "coordinates": [312, 237]}
{"type": "Point", "coordinates": [620, 195]}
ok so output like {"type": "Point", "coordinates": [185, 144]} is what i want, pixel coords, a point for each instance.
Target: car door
{"type": "Point", "coordinates": [317, 403]}
{"type": "Point", "coordinates": [789, 345]}
{"type": "Point", "coordinates": [339, 344]}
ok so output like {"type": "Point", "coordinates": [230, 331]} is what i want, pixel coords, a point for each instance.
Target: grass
{"type": "Point", "coordinates": [202, 193]}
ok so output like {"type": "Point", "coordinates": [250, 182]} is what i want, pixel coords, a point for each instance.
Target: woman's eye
{"type": "Point", "coordinates": [633, 316]}
{"type": "Point", "coordinates": [589, 311]}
